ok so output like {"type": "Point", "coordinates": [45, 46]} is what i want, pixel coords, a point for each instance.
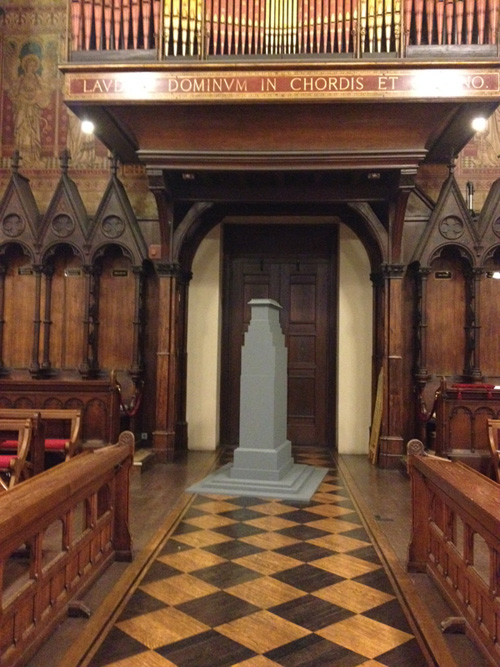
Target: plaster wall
{"type": "Point", "coordinates": [354, 345]}
{"type": "Point", "coordinates": [203, 344]}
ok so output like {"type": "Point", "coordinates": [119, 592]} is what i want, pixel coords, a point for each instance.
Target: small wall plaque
{"type": "Point", "coordinates": [443, 275]}
{"type": "Point", "coordinates": [120, 273]}
{"type": "Point", "coordinates": [25, 271]}
{"type": "Point", "coordinates": [72, 273]}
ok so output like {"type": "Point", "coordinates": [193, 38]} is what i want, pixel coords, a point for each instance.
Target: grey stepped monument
{"type": "Point", "coordinates": [263, 465]}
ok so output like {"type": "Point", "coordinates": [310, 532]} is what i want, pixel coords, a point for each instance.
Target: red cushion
{"type": "Point", "coordinates": [56, 444]}
{"type": "Point", "coordinates": [5, 461]}
{"type": "Point", "coordinates": [8, 444]}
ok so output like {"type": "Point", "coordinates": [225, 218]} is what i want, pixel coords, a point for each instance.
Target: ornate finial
{"type": "Point", "coordinates": [15, 160]}
{"type": "Point", "coordinates": [64, 159]}
{"type": "Point", "coordinates": [113, 163]}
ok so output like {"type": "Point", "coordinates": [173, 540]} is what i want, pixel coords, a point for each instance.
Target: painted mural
{"type": "Point", "coordinates": [34, 119]}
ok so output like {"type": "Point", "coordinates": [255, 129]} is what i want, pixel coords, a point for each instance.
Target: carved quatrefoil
{"type": "Point", "coordinates": [113, 226]}
{"type": "Point", "coordinates": [13, 225]}
{"type": "Point", "coordinates": [451, 227]}
{"type": "Point", "coordinates": [63, 225]}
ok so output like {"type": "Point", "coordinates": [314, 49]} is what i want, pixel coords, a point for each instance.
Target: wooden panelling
{"type": "Point", "coordinates": [446, 317]}
{"type": "Point", "coordinates": [19, 305]}
{"type": "Point", "coordinates": [116, 311]}
{"type": "Point", "coordinates": [67, 311]}
{"type": "Point", "coordinates": [489, 313]}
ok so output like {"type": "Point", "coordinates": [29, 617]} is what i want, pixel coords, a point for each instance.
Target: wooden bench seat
{"type": "Point", "coordinates": [14, 465]}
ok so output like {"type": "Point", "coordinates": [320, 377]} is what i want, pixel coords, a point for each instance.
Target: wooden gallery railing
{"type": "Point", "coordinates": [59, 530]}
{"type": "Point", "coordinates": [456, 540]}
{"type": "Point", "coordinates": [206, 28]}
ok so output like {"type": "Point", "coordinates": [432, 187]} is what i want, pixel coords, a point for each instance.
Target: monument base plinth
{"type": "Point", "coordinates": [299, 484]}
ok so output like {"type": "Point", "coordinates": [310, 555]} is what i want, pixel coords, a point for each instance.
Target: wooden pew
{"type": "Point", "coordinates": [462, 413]}
{"type": "Point", "coordinates": [13, 463]}
{"type": "Point", "coordinates": [87, 500]}
{"type": "Point", "coordinates": [98, 400]}
{"type": "Point", "coordinates": [37, 448]}
{"type": "Point", "coordinates": [56, 431]}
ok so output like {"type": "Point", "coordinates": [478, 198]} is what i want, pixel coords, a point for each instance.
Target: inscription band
{"type": "Point", "coordinates": [434, 84]}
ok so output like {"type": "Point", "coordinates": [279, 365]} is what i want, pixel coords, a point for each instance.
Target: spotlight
{"type": "Point", "coordinates": [87, 127]}
{"type": "Point", "coordinates": [479, 124]}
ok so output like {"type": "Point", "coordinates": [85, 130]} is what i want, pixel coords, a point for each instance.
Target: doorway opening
{"type": "Point", "coordinates": [294, 264]}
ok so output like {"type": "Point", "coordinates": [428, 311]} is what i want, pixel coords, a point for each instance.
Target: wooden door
{"type": "Point", "coordinates": [297, 273]}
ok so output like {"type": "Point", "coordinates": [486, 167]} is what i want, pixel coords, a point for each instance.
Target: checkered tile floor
{"type": "Point", "coordinates": [255, 582]}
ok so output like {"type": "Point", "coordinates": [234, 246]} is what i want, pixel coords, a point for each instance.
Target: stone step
{"type": "Point", "coordinates": [143, 458]}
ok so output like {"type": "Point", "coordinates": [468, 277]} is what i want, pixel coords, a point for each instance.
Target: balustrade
{"type": "Point", "coordinates": [455, 540]}
{"type": "Point", "coordinates": [59, 531]}
{"type": "Point", "coordinates": [266, 28]}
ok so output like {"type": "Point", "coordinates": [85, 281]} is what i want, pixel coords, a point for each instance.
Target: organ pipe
{"type": "Point", "coordinates": [279, 27]}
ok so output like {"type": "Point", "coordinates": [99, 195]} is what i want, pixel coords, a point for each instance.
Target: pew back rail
{"type": "Point", "coordinates": [86, 499]}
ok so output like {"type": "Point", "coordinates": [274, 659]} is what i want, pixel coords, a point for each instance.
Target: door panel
{"type": "Point", "coordinates": [304, 297]}
{"type": "Point", "coordinates": [302, 287]}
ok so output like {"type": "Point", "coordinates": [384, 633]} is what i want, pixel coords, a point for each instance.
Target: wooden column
{"type": "Point", "coordinates": [181, 428]}
{"type": "Point", "coordinates": [90, 364]}
{"type": "Point", "coordinates": [34, 368]}
{"type": "Point", "coordinates": [420, 372]}
{"type": "Point", "coordinates": [472, 326]}
{"type": "Point", "coordinates": [391, 440]}
{"type": "Point", "coordinates": [167, 375]}
{"type": "Point", "coordinates": [47, 321]}
{"type": "Point", "coordinates": [137, 367]}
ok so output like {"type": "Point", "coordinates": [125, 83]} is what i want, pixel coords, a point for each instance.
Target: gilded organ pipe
{"type": "Point", "coordinates": [379, 23]}
{"type": "Point", "coordinates": [389, 25]}
{"type": "Point", "coordinates": [340, 23]}
{"type": "Point", "coordinates": [126, 22]}
{"type": "Point", "coordinates": [371, 25]}
{"type": "Point", "coordinates": [481, 20]}
{"type": "Point", "coordinates": [347, 24]}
